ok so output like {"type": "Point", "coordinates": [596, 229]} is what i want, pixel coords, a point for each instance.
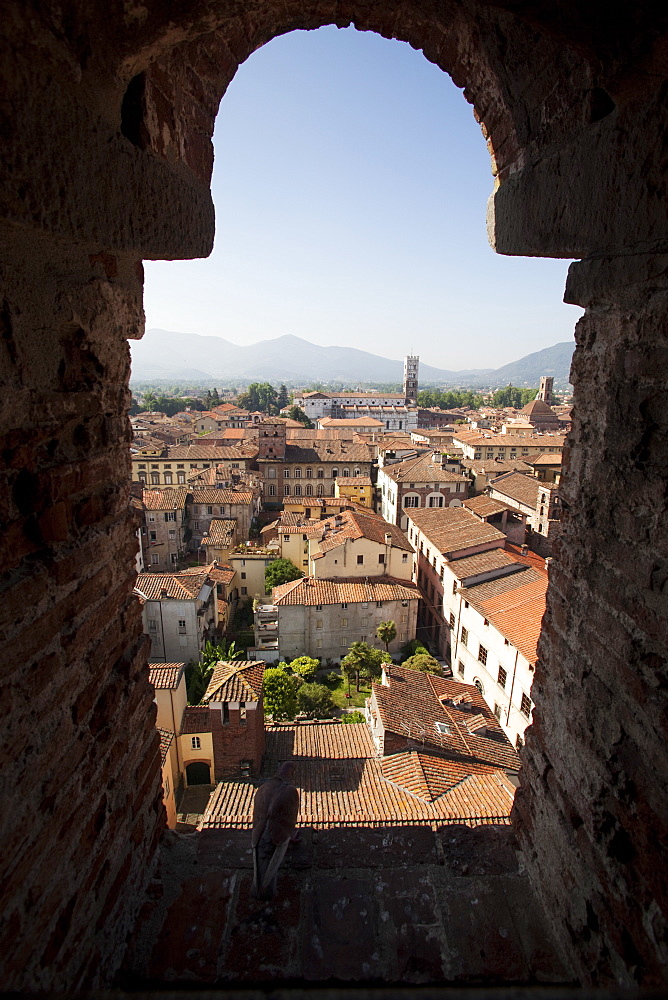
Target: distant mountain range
{"type": "Point", "coordinates": [169, 356]}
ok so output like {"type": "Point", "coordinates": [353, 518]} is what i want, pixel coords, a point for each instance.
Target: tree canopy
{"type": "Point", "coordinates": [260, 396]}
{"type": "Point", "coordinates": [280, 571]}
{"type": "Point", "coordinates": [513, 396]}
{"type": "Point", "coordinates": [280, 695]}
{"type": "Point", "coordinates": [296, 413]}
{"type": "Point", "coordinates": [305, 667]}
{"type": "Point", "coordinates": [424, 662]}
{"type": "Point", "coordinates": [362, 662]}
{"type": "Point", "coordinates": [387, 633]}
{"type": "Point", "coordinates": [447, 399]}
{"type": "Point", "coordinates": [169, 405]}
{"type": "Point", "coordinates": [315, 701]}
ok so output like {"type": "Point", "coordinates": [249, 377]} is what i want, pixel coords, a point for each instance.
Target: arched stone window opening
{"type": "Point", "coordinates": [129, 128]}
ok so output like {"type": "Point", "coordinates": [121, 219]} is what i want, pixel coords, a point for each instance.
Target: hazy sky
{"type": "Point", "coordinates": [350, 186]}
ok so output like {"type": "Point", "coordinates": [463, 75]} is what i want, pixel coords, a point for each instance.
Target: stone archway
{"type": "Point", "coordinates": [106, 125]}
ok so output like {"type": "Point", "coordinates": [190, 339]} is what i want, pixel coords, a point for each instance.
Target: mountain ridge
{"type": "Point", "coordinates": [292, 359]}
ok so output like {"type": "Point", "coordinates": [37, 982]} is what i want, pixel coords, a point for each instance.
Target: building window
{"type": "Point", "coordinates": [152, 536]}
{"type": "Point", "coordinates": [503, 677]}
{"type": "Point", "coordinates": [226, 714]}
{"type": "Point", "coordinates": [379, 604]}
{"type": "Point", "coordinates": [360, 560]}
{"type": "Point", "coordinates": [482, 654]}
{"type": "Point", "coordinates": [271, 472]}
{"type": "Point", "coordinates": [286, 492]}
{"type": "Point", "coordinates": [320, 491]}
{"type": "Point", "coordinates": [152, 625]}
{"type": "Point", "coordinates": [272, 490]}
{"type": "Point", "coordinates": [298, 490]}
{"type": "Point", "coordinates": [465, 636]}
{"type": "Point", "coordinates": [525, 705]}
{"type": "Point", "coordinates": [320, 474]}
{"type": "Point", "coordinates": [436, 501]}
{"type": "Point", "coordinates": [460, 668]}
{"type": "Point", "coordinates": [243, 576]}
{"type": "Point", "coordinates": [155, 478]}
{"type": "Point", "coordinates": [519, 742]}
{"type": "Point", "coordinates": [168, 480]}
{"type": "Point", "coordinates": [344, 605]}
{"type": "Point", "coordinates": [298, 473]}
{"type": "Point", "coordinates": [309, 490]}
{"type": "Point", "coordinates": [244, 591]}
{"type": "Point", "coordinates": [195, 743]}
{"type": "Point", "coordinates": [318, 607]}
{"type": "Point", "coordinates": [344, 623]}
{"type": "Point", "coordinates": [335, 473]}
{"type": "Point", "coordinates": [381, 559]}
{"type": "Point", "coordinates": [155, 558]}
{"type": "Point", "coordinates": [242, 713]}
{"type": "Point", "coordinates": [172, 533]}
{"type": "Point", "coordinates": [318, 623]}
{"type": "Point", "coordinates": [182, 626]}
{"type": "Point", "coordinates": [309, 473]}
{"type": "Point", "coordinates": [497, 711]}
{"type": "Point", "coordinates": [454, 586]}
{"type": "Point", "coordinates": [286, 474]}
{"type": "Point", "coordinates": [318, 643]}
{"type": "Point", "coordinates": [452, 619]}
{"type": "Point", "coordinates": [479, 685]}
{"type": "Point", "coordinates": [346, 473]}
{"type": "Point", "coordinates": [365, 621]}
{"type": "Point", "coordinates": [404, 557]}
{"type": "Point", "coordinates": [411, 501]}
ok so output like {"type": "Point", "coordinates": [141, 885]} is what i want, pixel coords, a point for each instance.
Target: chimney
{"type": "Point", "coordinates": [388, 538]}
{"type": "Point", "coordinates": [437, 458]}
{"type": "Point", "coordinates": [163, 592]}
{"type": "Point", "coordinates": [524, 548]}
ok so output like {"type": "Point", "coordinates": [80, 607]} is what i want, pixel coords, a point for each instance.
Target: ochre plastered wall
{"type": "Point", "coordinates": [106, 119]}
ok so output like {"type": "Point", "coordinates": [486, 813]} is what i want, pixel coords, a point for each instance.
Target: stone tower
{"type": "Point", "coordinates": [411, 365]}
{"type": "Point", "coordinates": [271, 441]}
{"type": "Point", "coordinates": [545, 390]}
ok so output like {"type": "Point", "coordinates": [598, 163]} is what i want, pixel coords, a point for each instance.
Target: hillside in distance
{"type": "Point", "coordinates": [170, 356]}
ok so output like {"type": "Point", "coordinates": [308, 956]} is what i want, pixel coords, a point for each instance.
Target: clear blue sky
{"type": "Point", "coordinates": [350, 186]}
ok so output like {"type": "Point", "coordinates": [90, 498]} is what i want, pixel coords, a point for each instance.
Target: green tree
{"type": "Point", "coordinates": [296, 413]}
{"type": "Point", "coordinates": [348, 717]}
{"type": "Point", "coordinates": [305, 667]}
{"type": "Point", "coordinates": [410, 648]}
{"type": "Point", "coordinates": [283, 399]}
{"type": "Point", "coordinates": [362, 661]}
{"type": "Point", "coordinates": [280, 571]}
{"type": "Point", "coordinates": [513, 396]}
{"type": "Point", "coordinates": [280, 698]}
{"type": "Point", "coordinates": [215, 398]}
{"type": "Point", "coordinates": [226, 649]}
{"type": "Point", "coordinates": [315, 701]}
{"type": "Point", "coordinates": [197, 675]}
{"type": "Point", "coordinates": [424, 662]}
{"type": "Point", "coordinates": [387, 633]}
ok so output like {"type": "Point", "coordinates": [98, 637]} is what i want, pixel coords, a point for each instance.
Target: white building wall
{"type": "Point", "coordinates": [328, 632]}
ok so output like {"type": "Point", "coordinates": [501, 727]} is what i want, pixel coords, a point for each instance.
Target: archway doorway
{"type": "Point", "coordinates": [198, 772]}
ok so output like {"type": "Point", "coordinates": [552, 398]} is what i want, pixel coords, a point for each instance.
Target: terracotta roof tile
{"type": "Point", "coordinates": [235, 680]}
{"type": "Point", "coordinates": [360, 523]}
{"type": "Point", "coordinates": [518, 615]}
{"type": "Point", "coordinates": [484, 506]}
{"type": "Point", "coordinates": [310, 591]}
{"type": "Point", "coordinates": [452, 529]}
{"type": "Point", "coordinates": [165, 676]}
{"type": "Point", "coordinates": [494, 588]}
{"type": "Point", "coordinates": [315, 739]}
{"type": "Point", "coordinates": [221, 531]}
{"type": "Point", "coordinates": [354, 480]}
{"type": "Point", "coordinates": [180, 586]}
{"type": "Point", "coordinates": [422, 470]}
{"type": "Point", "coordinates": [166, 739]}
{"type": "Point", "coordinates": [166, 499]}
{"type": "Point", "coordinates": [483, 562]}
{"type": "Point", "coordinates": [195, 720]}
{"type": "Point", "coordinates": [213, 495]}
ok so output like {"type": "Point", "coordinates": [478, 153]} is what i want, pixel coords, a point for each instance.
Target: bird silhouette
{"type": "Point", "coordinates": [275, 811]}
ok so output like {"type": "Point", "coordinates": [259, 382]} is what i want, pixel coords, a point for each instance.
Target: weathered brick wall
{"type": "Point", "coordinates": [593, 803]}
{"type": "Point", "coordinates": [106, 121]}
{"type": "Point", "coordinates": [234, 742]}
{"type": "Point", "coordinates": [80, 779]}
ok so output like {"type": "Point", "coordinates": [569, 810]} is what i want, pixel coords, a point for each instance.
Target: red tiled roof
{"type": "Point", "coordinates": [428, 775]}
{"type": "Point", "coordinates": [360, 523]}
{"type": "Point", "coordinates": [315, 739]}
{"type": "Point", "coordinates": [422, 470]}
{"type": "Point", "coordinates": [484, 506]}
{"type": "Point", "coordinates": [354, 480]}
{"type": "Point", "coordinates": [310, 591]}
{"type": "Point", "coordinates": [195, 720]}
{"type": "Point", "coordinates": [482, 562]}
{"type": "Point", "coordinates": [166, 739]}
{"type": "Point", "coordinates": [414, 702]}
{"type": "Point", "coordinates": [212, 452]}
{"type": "Point", "coordinates": [181, 586]}
{"type": "Point", "coordinates": [518, 615]}
{"type": "Point", "coordinates": [213, 495]}
{"type": "Point", "coordinates": [235, 680]}
{"type": "Point", "coordinates": [221, 531]}
{"type": "Point", "coordinates": [165, 676]}
{"type": "Point", "coordinates": [452, 529]}
{"type": "Point", "coordinates": [166, 499]}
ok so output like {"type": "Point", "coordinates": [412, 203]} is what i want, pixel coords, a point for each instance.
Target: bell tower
{"type": "Point", "coordinates": [411, 365]}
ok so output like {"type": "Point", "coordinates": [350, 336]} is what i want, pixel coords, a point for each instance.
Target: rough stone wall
{"type": "Point", "coordinates": [106, 120]}
{"type": "Point", "coordinates": [80, 777]}
{"type": "Point", "coordinates": [593, 802]}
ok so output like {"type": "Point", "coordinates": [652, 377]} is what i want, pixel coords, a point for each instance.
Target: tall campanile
{"type": "Point", "coordinates": [411, 365]}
